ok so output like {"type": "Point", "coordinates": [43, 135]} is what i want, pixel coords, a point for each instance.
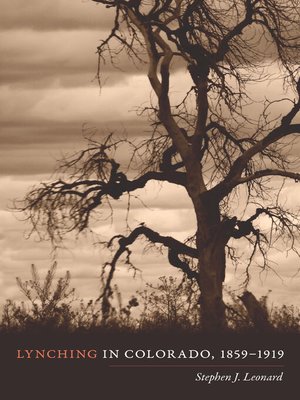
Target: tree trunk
{"type": "Point", "coordinates": [257, 313]}
{"type": "Point", "coordinates": [211, 276]}
{"type": "Point", "coordinates": [211, 240]}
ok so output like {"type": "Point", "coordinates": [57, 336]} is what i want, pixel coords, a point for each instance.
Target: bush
{"type": "Point", "coordinates": [48, 305]}
{"type": "Point", "coordinates": [52, 304]}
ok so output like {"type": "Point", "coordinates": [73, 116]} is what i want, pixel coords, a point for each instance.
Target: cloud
{"type": "Point", "coordinates": [35, 147]}
{"type": "Point", "coordinates": [53, 15]}
{"type": "Point", "coordinates": [73, 104]}
{"type": "Point", "coordinates": [35, 60]}
{"type": "Point", "coordinates": [31, 59]}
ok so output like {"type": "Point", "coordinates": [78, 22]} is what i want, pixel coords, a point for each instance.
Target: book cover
{"type": "Point", "coordinates": [150, 198]}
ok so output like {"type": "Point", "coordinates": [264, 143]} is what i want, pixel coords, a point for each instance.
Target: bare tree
{"type": "Point", "coordinates": [210, 142]}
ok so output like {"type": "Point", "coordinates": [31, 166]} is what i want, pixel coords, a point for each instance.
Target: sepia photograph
{"type": "Point", "coordinates": [150, 198]}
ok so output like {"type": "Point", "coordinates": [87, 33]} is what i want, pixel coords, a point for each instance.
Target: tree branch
{"type": "Point", "coordinates": [234, 176]}
{"type": "Point", "coordinates": [270, 172]}
{"type": "Point", "coordinates": [84, 195]}
{"type": "Point", "coordinates": [174, 246]}
{"type": "Point", "coordinates": [152, 53]}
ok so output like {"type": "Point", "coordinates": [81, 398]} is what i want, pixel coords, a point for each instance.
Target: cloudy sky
{"type": "Point", "coordinates": [49, 98]}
